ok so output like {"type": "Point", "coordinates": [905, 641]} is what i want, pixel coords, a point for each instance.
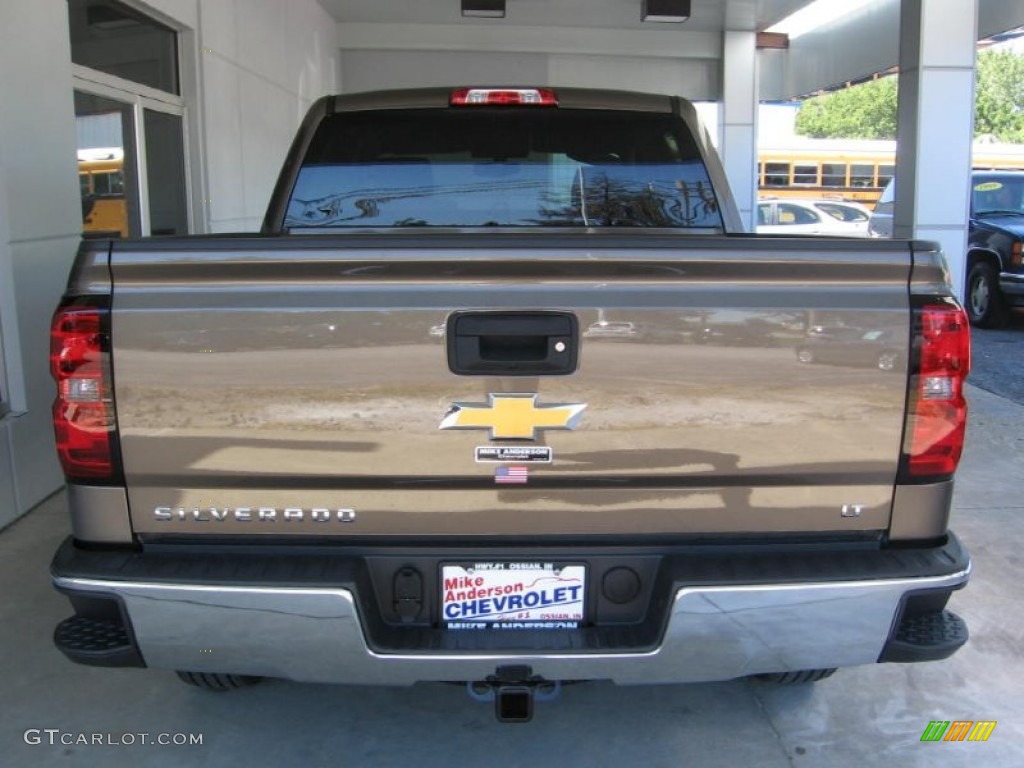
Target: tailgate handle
{"type": "Point", "coordinates": [513, 343]}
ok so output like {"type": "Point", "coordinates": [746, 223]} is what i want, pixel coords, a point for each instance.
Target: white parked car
{"type": "Point", "coordinates": [812, 217]}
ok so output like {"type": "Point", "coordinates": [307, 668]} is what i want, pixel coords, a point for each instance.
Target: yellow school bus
{"type": "Point", "coordinates": [101, 182]}
{"type": "Point", "coordinates": [848, 169]}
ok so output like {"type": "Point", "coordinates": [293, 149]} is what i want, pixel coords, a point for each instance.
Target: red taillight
{"type": "Point", "coordinates": [527, 97]}
{"type": "Point", "coordinates": [937, 418]}
{"type": "Point", "coordinates": [83, 413]}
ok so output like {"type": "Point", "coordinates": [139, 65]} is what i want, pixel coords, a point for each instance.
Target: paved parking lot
{"type": "Point", "coordinates": [999, 360]}
{"type": "Point", "coordinates": [862, 716]}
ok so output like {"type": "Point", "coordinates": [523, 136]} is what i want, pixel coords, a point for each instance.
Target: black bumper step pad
{"type": "Point", "coordinates": [926, 637]}
{"type": "Point", "coordinates": [98, 642]}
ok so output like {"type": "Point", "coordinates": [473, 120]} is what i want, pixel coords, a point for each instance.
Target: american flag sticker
{"type": "Point", "coordinates": [511, 474]}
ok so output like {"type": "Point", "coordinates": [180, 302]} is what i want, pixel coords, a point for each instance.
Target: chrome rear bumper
{"type": "Point", "coordinates": [316, 634]}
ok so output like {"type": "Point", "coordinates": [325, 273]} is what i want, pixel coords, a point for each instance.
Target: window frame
{"type": "Point", "coordinates": [139, 98]}
{"type": "Point", "coordinates": [782, 168]}
{"type": "Point", "coordinates": [154, 20]}
{"type": "Point", "coordinates": [5, 395]}
{"type": "Point", "coordinates": [13, 394]}
{"type": "Point", "coordinates": [828, 179]}
{"type": "Point", "coordinates": [805, 164]}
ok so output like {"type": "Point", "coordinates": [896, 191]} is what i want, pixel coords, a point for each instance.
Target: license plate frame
{"type": "Point", "coordinates": [513, 594]}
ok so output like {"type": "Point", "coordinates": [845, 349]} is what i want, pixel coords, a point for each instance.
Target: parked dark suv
{"type": "Point", "coordinates": [995, 276]}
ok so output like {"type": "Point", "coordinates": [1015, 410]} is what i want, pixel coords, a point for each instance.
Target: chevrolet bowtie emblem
{"type": "Point", "coordinates": [513, 417]}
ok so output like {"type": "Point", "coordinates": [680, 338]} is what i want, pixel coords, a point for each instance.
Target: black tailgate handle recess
{"type": "Point", "coordinates": [513, 343]}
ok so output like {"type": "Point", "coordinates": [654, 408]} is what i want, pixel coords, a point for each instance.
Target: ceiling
{"type": "Point", "coordinates": [706, 15]}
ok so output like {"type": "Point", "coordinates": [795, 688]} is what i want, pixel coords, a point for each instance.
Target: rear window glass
{"type": "Point", "coordinates": [794, 214]}
{"type": "Point", "coordinates": [502, 167]}
{"type": "Point", "coordinates": [843, 212]}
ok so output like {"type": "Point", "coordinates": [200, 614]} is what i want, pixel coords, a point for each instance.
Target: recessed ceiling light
{"type": "Point", "coordinates": [665, 10]}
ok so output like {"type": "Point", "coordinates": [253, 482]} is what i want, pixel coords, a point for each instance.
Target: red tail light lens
{"type": "Point", "coordinates": [532, 97]}
{"type": "Point", "coordinates": [83, 413]}
{"type": "Point", "coordinates": [937, 417]}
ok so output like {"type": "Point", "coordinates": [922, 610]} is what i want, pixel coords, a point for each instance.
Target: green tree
{"type": "Point", "coordinates": [868, 110]}
{"type": "Point", "coordinates": [999, 96]}
{"type": "Point", "coordinates": [865, 111]}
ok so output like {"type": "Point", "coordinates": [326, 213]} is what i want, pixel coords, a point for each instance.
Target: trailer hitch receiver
{"type": "Point", "coordinates": [514, 689]}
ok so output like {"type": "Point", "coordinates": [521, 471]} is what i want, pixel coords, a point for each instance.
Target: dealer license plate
{"type": "Point", "coordinates": [497, 595]}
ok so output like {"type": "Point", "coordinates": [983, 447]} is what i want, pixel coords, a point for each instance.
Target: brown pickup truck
{"type": "Point", "coordinates": [502, 395]}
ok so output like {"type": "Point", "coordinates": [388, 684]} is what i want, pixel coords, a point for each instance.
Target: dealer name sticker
{"type": "Point", "coordinates": [512, 596]}
{"type": "Point", "coordinates": [516, 453]}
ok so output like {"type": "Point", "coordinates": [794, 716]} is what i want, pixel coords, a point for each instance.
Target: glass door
{"type": "Point", "coordinates": [107, 176]}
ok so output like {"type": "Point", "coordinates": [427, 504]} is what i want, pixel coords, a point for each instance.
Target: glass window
{"type": "Point", "coordinates": [842, 212]}
{"type": "Point", "coordinates": [764, 213]}
{"type": "Point", "coordinates": [106, 148]}
{"type": "Point", "coordinates": [165, 173]}
{"type": "Point", "coordinates": [805, 174]}
{"type": "Point", "coordinates": [502, 167]}
{"type": "Point", "coordinates": [131, 144]}
{"type": "Point", "coordinates": [110, 183]}
{"type": "Point", "coordinates": [997, 194]}
{"type": "Point", "coordinates": [776, 174]}
{"type": "Point", "coordinates": [795, 214]}
{"type": "Point", "coordinates": [113, 38]}
{"type": "Point", "coordinates": [862, 175]}
{"type": "Point", "coordinates": [885, 173]}
{"type": "Point", "coordinates": [833, 174]}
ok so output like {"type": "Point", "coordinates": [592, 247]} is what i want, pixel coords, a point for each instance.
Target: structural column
{"type": "Point", "coordinates": [739, 120]}
{"type": "Point", "coordinates": [936, 120]}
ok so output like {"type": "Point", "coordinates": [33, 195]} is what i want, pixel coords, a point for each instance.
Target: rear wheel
{"type": "Point", "coordinates": [795, 678]}
{"type": "Point", "coordinates": [986, 306]}
{"type": "Point", "coordinates": [211, 681]}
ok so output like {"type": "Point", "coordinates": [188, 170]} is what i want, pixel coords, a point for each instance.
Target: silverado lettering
{"type": "Point", "coordinates": [247, 514]}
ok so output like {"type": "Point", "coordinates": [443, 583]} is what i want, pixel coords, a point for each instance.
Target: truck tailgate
{"type": "Point", "coordinates": [297, 386]}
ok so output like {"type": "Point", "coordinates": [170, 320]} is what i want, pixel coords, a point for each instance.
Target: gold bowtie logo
{"type": "Point", "coordinates": [513, 417]}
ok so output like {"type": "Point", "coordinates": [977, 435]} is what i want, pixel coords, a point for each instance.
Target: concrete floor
{"type": "Point", "coordinates": [863, 716]}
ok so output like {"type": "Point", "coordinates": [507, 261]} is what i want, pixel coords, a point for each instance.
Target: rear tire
{"type": "Point", "coordinates": [211, 681]}
{"type": "Point", "coordinates": [796, 678]}
{"type": "Point", "coordinates": [986, 306]}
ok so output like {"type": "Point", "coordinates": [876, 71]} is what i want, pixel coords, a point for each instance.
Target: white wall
{"type": "Point", "coordinates": [40, 222]}
{"type": "Point", "coordinates": [261, 64]}
{"type": "Point", "coordinates": [250, 69]}
{"type": "Point", "coordinates": [682, 62]}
